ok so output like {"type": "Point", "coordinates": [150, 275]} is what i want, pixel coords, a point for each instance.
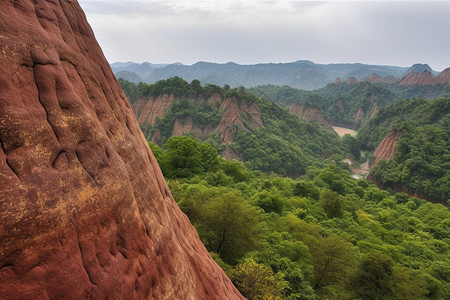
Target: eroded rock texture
{"type": "Point", "coordinates": [84, 209]}
{"type": "Point", "coordinates": [386, 149]}
{"type": "Point", "coordinates": [147, 109]}
{"type": "Point", "coordinates": [426, 78]}
{"type": "Point", "coordinates": [308, 112]}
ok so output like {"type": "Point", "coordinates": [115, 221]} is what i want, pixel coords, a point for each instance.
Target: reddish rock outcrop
{"type": "Point", "coordinates": [340, 105]}
{"type": "Point", "coordinates": [147, 109]}
{"type": "Point", "coordinates": [307, 112]}
{"type": "Point", "coordinates": [187, 125]}
{"type": "Point", "coordinates": [426, 78]}
{"type": "Point", "coordinates": [359, 117]}
{"type": "Point", "coordinates": [423, 78]}
{"type": "Point", "coordinates": [182, 126]}
{"type": "Point", "coordinates": [443, 77]}
{"type": "Point", "coordinates": [230, 120]}
{"type": "Point", "coordinates": [85, 212]}
{"type": "Point", "coordinates": [386, 149]}
{"type": "Point", "coordinates": [351, 80]}
{"type": "Point", "coordinates": [374, 110]}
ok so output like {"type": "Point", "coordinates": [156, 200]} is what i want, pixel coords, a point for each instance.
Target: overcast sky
{"type": "Point", "coordinates": [247, 32]}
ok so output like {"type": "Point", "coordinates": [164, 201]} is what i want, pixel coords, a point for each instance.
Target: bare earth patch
{"type": "Point", "coordinates": [341, 131]}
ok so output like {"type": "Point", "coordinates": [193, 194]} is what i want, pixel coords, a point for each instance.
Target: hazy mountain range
{"type": "Point", "coordinates": [301, 74]}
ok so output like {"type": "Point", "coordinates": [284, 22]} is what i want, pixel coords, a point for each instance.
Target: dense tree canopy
{"type": "Point", "coordinates": [324, 234]}
{"type": "Point", "coordinates": [421, 162]}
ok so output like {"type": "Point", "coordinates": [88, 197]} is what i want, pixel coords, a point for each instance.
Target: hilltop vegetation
{"type": "Point", "coordinates": [324, 234]}
{"type": "Point", "coordinates": [421, 164]}
{"type": "Point", "coordinates": [262, 134]}
{"type": "Point", "coordinates": [415, 112]}
{"type": "Point", "coordinates": [350, 104]}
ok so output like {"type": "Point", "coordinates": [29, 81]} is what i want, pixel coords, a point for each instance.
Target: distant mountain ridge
{"type": "Point", "coordinates": [302, 74]}
{"type": "Point", "coordinates": [416, 75]}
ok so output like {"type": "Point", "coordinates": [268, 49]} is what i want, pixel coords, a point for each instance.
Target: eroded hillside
{"type": "Point", "coordinates": [238, 124]}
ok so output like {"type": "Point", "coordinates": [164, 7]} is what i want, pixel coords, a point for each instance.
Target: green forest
{"type": "Point", "coordinates": [421, 164]}
{"type": "Point", "coordinates": [324, 235]}
{"type": "Point", "coordinates": [285, 144]}
{"type": "Point", "coordinates": [320, 233]}
{"type": "Point", "coordinates": [340, 102]}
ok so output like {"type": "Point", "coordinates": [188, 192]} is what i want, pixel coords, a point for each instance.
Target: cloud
{"type": "Point", "coordinates": [399, 33]}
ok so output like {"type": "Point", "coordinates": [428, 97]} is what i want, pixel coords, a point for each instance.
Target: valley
{"type": "Point", "coordinates": [270, 185]}
{"type": "Point", "coordinates": [293, 181]}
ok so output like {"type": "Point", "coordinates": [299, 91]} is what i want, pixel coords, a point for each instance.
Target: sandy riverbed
{"type": "Point", "coordinates": [341, 131]}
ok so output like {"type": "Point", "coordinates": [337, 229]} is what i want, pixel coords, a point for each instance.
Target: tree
{"type": "Point", "coordinates": [306, 189]}
{"type": "Point", "coordinates": [185, 157]}
{"type": "Point", "coordinates": [229, 226]}
{"type": "Point", "coordinates": [209, 157]}
{"type": "Point", "coordinates": [258, 281]}
{"type": "Point", "coordinates": [332, 204]}
{"type": "Point", "coordinates": [268, 201]}
{"type": "Point", "coordinates": [352, 145]}
{"type": "Point", "coordinates": [373, 277]}
{"type": "Point", "coordinates": [333, 260]}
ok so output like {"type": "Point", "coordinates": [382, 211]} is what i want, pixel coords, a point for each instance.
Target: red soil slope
{"type": "Point", "coordinates": [307, 112]}
{"type": "Point", "coordinates": [386, 149]}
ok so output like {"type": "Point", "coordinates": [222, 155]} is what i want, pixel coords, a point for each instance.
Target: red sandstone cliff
{"type": "Point", "coordinates": [426, 78]}
{"type": "Point", "coordinates": [309, 113]}
{"type": "Point", "coordinates": [423, 78]}
{"type": "Point", "coordinates": [386, 149]}
{"type": "Point", "coordinates": [374, 110]}
{"type": "Point", "coordinates": [147, 109]}
{"type": "Point", "coordinates": [359, 117]}
{"type": "Point", "coordinates": [351, 80]}
{"type": "Point", "coordinates": [85, 212]}
{"type": "Point", "coordinates": [443, 77]}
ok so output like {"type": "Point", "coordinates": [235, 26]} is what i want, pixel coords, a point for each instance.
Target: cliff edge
{"type": "Point", "coordinates": [84, 209]}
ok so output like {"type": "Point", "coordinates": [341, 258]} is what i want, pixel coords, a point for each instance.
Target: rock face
{"type": "Point", "coordinates": [84, 209]}
{"type": "Point", "coordinates": [351, 80]}
{"type": "Point", "coordinates": [443, 77]}
{"type": "Point", "coordinates": [147, 109]}
{"type": "Point", "coordinates": [308, 112]}
{"type": "Point", "coordinates": [359, 117]}
{"type": "Point", "coordinates": [423, 78]}
{"type": "Point", "coordinates": [426, 78]}
{"type": "Point", "coordinates": [386, 149]}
